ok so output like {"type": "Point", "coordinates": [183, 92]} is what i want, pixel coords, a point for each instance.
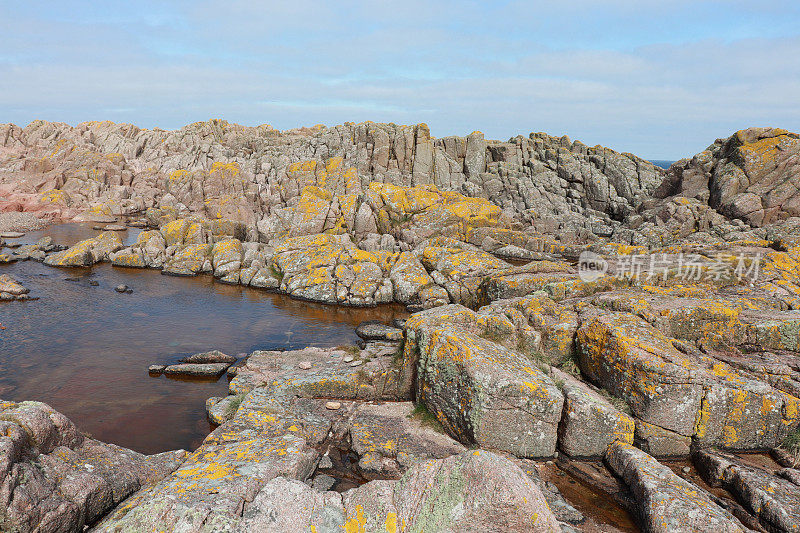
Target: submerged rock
{"type": "Point", "coordinates": [213, 356]}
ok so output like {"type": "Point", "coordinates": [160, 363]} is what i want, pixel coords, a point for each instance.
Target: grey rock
{"type": "Point", "coordinates": [197, 369]}
{"type": "Point", "coordinates": [667, 503]}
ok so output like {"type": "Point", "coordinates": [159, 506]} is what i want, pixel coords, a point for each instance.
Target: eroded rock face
{"type": "Point", "coordinates": [747, 176]}
{"type": "Point", "coordinates": [222, 170]}
{"type": "Point", "coordinates": [53, 478]}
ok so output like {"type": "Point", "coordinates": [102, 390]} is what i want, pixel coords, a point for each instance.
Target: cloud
{"type": "Point", "coordinates": [659, 80]}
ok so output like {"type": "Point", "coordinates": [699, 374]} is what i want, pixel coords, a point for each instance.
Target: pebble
{"type": "Point", "coordinates": [348, 358]}
{"type": "Point", "coordinates": [357, 363]}
{"type": "Point", "coordinates": [304, 365]}
{"type": "Point", "coordinates": [686, 469]}
{"type": "Point", "coordinates": [121, 288]}
{"type": "Point", "coordinates": [94, 283]}
{"type": "Point", "coordinates": [333, 406]}
{"type": "Point", "coordinates": [156, 369]}
{"type": "Point", "coordinates": [326, 461]}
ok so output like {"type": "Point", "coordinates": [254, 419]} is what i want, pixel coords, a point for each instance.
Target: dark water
{"type": "Point", "coordinates": [662, 163]}
{"type": "Point", "coordinates": [85, 349]}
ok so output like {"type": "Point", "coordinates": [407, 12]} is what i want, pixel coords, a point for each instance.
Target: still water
{"type": "Point", "coordinates": [85, 349]}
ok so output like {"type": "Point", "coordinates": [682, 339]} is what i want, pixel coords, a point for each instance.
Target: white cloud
{"type": "Point", "coordinates": [505, 70]}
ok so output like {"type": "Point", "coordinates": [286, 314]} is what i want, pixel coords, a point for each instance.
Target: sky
{"type": "Point", "coordinates": [659, 79]}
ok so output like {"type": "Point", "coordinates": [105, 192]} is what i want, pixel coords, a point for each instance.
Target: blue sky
{"type": "Point", "coordinates": [659, 79]}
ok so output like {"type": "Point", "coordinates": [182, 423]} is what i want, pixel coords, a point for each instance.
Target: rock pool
{"type": "Point", "coordinates": [85, 349]}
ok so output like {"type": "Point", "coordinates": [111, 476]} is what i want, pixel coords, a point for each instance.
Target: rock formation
{"type": "Point", "coordinates": [569, 303]}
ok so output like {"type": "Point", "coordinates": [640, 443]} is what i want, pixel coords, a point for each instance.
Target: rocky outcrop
{"type": "Point", "coordinates": [476, 490]}
{"type": "Point", "coordinates": [223, 170]}
{"type": "Point", "coordinates": [561, 309]}
{"type": "Point", "coordinates": [87, 252]}
{"type": "Point", "coordinates": [53, 478]}
{"type": "Point", "coordinates": [748, 176]}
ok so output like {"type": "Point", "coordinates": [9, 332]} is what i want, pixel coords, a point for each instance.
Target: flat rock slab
{"type": "Point", "coordinates": [667, 503]}
{"type": "Point", "coordinates": [199, 370]}
{"type": "Point", "coordinates": [390, 438]}
{"type": "Point", "coordinates": [11, 235]}
{"type": "Point", "coordinates": [331, 375]}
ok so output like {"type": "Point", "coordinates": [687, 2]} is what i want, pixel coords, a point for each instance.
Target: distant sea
{"type": "Point", "coordinates": [661, 163]}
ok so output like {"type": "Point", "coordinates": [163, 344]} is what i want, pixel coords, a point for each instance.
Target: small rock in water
{"type": "Point", "coordinates": [304, 365]}
{"type": "Point", "coordinates": [121, 288]}
{"type": "Point", "coordinates": [93, 283]}
{"type": "Point", "coordinates": [333, 406]}
{"type": "Point", "coordinates": [72, 279]}
{"type": "Point", "coordinates": [209, 370]}
{"type": "Point", "coordinates": [214, 356]}
{"type": "Point", "coordinates": [97, 228]}
{"type": "Point", "coordinates": [12, 235]}
{"type": "Point", "coordinates": [156, 369]}
{"type": "Point", "coordinates": [115, 227]}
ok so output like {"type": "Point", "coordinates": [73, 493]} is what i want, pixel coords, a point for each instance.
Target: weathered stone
{"type": "Point", "coordinates": [476, 490]}
{"type": "Point", "coordinates": [87, 252]}
{"type": "Point", "coordinates": [667, 503]}
{"type": "Point", "coordinates": [691, 395]}
{"type": "Point", "coordinates": [590, 423]}
{"type": "Point", "coordinates": [52, 478]}
{"type": "Point", "coordinates": [482, 392]}
{"type": "Point", "coordinates": [389, 439]}
{"type": "Point", "coordinates": [774, 500]}
{"type": "Point", "coordinates": [197, 369]}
